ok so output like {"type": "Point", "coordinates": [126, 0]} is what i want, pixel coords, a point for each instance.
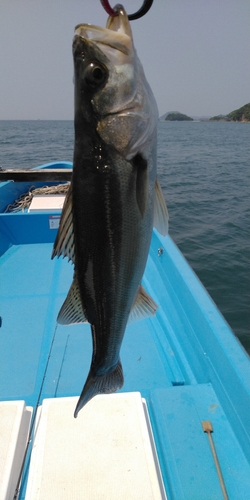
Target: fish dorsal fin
{"type": "Point", "coordinates": [64, 243]}
{"type": "Point", "coordinates": [160, 211]}
{"type": "Point", "coordinates": [143, 307]}
{"type": "Point", "coordinates": [71, 311]}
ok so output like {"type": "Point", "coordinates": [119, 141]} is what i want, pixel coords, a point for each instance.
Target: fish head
{"type": "Point", "coordinates": [110, 85]}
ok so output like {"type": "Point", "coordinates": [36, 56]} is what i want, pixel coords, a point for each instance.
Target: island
{"type": "Point", "coordinates": [238, 115]}
{"type": "Point", "coordinates": [177, 117]}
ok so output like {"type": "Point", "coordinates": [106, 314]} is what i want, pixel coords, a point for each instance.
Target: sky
{"type": "Point", "coordinates": [195, 54]}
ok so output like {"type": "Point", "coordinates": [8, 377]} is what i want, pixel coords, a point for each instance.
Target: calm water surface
{"type": "Point", "coordinates": [204, 172]}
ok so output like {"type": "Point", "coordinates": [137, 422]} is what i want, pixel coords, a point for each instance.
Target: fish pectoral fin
{"type": "Point", "coordinates": [102, 384]}
{"type": "Point", "coordinates": [160, 211]}
{"type": "Point", "coordinates": [64, 243]}
{"type": "Point", "coordinates": [144, 306]}
{"type": "Point", "coordinates": [71, 311]}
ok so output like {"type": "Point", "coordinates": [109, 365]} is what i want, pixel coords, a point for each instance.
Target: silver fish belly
{"type": "Point", "coordinates": [114, 197]}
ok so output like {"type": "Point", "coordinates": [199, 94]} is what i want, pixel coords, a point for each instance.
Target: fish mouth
{"type": "Point", "coordinates": [117, 36]}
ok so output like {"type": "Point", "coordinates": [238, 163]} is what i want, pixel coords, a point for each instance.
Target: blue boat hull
{"type": "Point", "coordinates": [186, 362]}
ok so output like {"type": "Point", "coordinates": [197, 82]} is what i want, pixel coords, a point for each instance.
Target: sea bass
{"type": "Point", "coordinates": [114, 197]}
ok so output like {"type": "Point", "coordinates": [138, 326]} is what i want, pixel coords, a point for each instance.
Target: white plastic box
{"type": "Point", "coordinates": [46, 203]}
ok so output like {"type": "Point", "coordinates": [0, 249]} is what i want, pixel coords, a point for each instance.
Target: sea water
{"type": "Point", "coordinates": [203, 168]}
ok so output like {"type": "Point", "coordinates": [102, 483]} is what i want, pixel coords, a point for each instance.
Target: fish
{"type": "Point", "coordinates": [114, 197]}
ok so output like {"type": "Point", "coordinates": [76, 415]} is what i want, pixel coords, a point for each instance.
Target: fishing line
{"type": "Point", "coordinates": [25, 199]}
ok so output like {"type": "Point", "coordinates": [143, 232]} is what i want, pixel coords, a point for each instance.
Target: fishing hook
{"type": "Point", "coordinates": [141, 12]}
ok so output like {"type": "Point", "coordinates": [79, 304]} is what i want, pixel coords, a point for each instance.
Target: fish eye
{"type": "Point", "coordinates": [95, 75]}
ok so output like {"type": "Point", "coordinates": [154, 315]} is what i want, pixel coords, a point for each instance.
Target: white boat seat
{"type": "Point", "coordinates": [106, 453]}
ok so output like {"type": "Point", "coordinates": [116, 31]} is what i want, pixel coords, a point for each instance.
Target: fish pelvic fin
{"type": "Point", "coordinates": [144, 306]}
{"type": "Point", "coordinates": [102, 384]}
{"type": "Point", "coordinates": [160, 211]}
{"type": "Point", "coordinates": [71, 311]}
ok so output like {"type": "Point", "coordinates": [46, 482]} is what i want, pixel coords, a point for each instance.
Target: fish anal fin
{"type": "Point", "coordinates": [160, 211]}
{"type": "Point", "coordinates": [102, 384]}
{"type": "Point", "coordinates": [144, 306]}
{"type": "Point", "coordinates": [64, 243]}
{"type": "Point", "coordinates": [71, 311]}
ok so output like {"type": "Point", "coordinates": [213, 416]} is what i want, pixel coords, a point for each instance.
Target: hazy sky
{"type": "Point", "coordinates": [195, 53]}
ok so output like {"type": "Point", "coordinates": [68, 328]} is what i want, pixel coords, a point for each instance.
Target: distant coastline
{"type": "Point", "coordinates": [238, 115]}
{"type": "Point", "coordinates": [241, 115]}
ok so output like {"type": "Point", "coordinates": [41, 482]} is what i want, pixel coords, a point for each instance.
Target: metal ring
{"type": "Point", "coordinates": [141, 12]}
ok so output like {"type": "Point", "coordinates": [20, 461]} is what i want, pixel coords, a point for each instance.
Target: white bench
{"type": "Point", "coordinates": [106, 453]}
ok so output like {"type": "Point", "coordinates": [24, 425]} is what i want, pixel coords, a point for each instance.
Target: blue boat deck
{"type": "Point", "coordinates": [185, 362]}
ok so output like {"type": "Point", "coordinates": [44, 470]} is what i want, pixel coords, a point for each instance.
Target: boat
{"type": "Point", "coordinates": [180, 427]}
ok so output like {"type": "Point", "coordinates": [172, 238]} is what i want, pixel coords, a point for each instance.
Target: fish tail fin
{"type": "Point", "coordinates": [102, 384]}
